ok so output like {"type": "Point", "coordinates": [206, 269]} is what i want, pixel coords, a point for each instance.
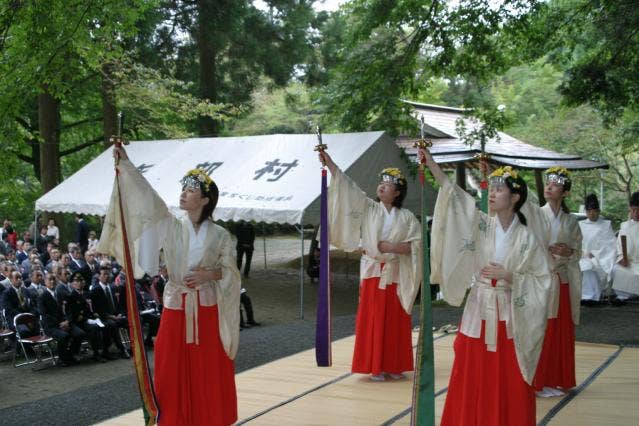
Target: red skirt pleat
{"type": "Point", "coordinates": [487, 388]}
{"type": "Point", "coordinates": [382, 331]}
{"type": "Point", "coordinates": [556, 366]}
{"type": "Point", "coordinates": [194, 384]}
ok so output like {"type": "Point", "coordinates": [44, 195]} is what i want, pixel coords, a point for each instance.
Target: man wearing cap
{"type": "Point", "coordinates": [625, 276]}
{"type": "Point", "coordinates": [598, 252]}
{"type": "Point", "coordinates": [80, 314]}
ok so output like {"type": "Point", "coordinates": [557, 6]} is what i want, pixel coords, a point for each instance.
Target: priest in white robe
{"type": "Point", "coordinates": [625, 277]}
{"type": "Point", "coordinates": [598, 253]}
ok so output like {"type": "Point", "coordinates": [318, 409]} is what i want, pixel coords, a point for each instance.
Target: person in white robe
{"type": "Point", "coordinates": [199, 330]}
{"type": "Point", "coordinates": [625, 277]}
{"type": "Point", "coordinates": [390, 269]}
{"type": "Point", "coordinates": [598, 252]}
{"type": "Point", "coordinates": [503, 324]}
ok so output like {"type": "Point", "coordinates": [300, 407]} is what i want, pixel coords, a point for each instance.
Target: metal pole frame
{"type": "Point", "coordinates": [301, 229]}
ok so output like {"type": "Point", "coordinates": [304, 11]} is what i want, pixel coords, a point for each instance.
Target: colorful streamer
{"type": "Point", "coordinates": [323, 352]}
{"type": "Point", "coordinates": [138, 351]}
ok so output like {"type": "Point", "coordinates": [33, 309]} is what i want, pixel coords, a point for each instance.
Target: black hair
{"type": "Point", "coordinates": [634, 199]}
{"type": "Point", "coordinates": [213, 195]}
{"type": "Point", "coordinates": [591, 202]}
{"type": "Point", "coordinates": [522, 190]}
{"type": "Point", "coordinates": [399, 200]}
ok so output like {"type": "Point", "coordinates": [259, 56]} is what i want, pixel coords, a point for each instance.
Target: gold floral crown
{"type": "Point", "coordinates": [502, 174]}
{"type": "Point", "coordinates": [392, 175]}
{"type": "Point", "coordinates": [197, 178]}
{"type": "Point", "coordinates": [558, 170]}
{"type": "Point", "coordinates": [559, 175]}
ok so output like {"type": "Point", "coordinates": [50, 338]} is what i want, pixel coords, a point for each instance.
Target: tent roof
{"type": "Point", "coordinates": [448, 148]}
{"type": "Point", "coordinates": [268, 178]}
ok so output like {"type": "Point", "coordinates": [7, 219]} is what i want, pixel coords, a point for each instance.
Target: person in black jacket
{"type": "Point", "coordinates": [81, 233]}
{"type": "Point", "coordinates": [104, 304]}
{"type": "Point", "coordinates": [80, 314]}
{"type": "Point", "coordinates": [67, 335]}
{"type": "Point", "coordinates": [17, 300]}
{"type": "Point", "coordinates": [245, 234]}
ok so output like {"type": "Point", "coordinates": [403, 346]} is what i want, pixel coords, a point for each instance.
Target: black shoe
{"type": "Point", "coordinates": [618, 302]}
{"type": "Point", "coordinates": [98, 358]}
{"type": "Point", "coordinates": [254, 324]}
{"type": "Point", "coordinates": [108, 355]}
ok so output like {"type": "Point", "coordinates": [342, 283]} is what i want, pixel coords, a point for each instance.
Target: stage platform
{"type": "Point", "coordinates": [293, 391]}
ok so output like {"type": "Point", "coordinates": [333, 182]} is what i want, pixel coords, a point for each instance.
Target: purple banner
{"type": "Point", "coordinates": [323, 354]}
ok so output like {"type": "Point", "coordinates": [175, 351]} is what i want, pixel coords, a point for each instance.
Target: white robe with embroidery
{"type": "Point", "coordinates": [463, 242]}
{"type": "Point", "coordinates": [150, 227]}
{"type": "Point", "coordinates": [627, 279]}
{"type": "Point", "coordinates": [355, 219]}
{"type": "Point", "coordinates": [598, 256]}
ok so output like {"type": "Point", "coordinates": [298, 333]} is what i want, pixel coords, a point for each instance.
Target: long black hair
{"type": "Point", "coordinates": [213, 195]}
{"type": "Point", "coordinates": [518, 186]}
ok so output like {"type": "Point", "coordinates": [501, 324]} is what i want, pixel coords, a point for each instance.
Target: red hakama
{"type": "Point", "coordinates": [487, 388]}
{"type": "Point", "coordinates": [194, 384]}
{"type": "Point", "coordinates": [383, 341]}
{"type": "Point", "coordinates": [556, 366]}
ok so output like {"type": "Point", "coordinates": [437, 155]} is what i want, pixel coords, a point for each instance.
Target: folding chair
{"type": "Point", "coordinates": [5, 334]}
{"type": "Point", "coordinates": [36, 342]}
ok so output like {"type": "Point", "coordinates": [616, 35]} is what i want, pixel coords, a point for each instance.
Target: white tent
{"type": "Point", "coordinates": [269, 178]}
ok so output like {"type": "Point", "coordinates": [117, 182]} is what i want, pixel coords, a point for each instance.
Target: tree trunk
{"type": "Point", "coordinates": [49, 127]}
{"type": "Point", "coordinates": [206, 28]}
{"type": "Point", "coordinates": [109, 110]}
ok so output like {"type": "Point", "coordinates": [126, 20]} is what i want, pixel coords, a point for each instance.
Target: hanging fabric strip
{"type": "Point", "coordinates": [423, 408]}
{"type": "Point", "coordinates": [138, 351]}
{"type": "Point", "coordinates": [323, 354]}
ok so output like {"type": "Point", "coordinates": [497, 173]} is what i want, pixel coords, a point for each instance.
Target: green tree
{"type": "Point", "coordinates": [392, 48]}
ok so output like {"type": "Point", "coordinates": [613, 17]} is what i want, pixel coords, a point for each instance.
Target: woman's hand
{"type": "Point", "coordinates": [397, 248]}
{"type": "Point", "coordinates": [197, 277]}
{"type": "Point", "coordinates": [119, 153]}
{"type": "Point", "coordinates": [495, 271]}
{"type": "Point", "coordinates": [426, 157]}
{"type": "Point", "coordinates": [327, 161]}
{"type": "Point", "coordinates": [561, 249]}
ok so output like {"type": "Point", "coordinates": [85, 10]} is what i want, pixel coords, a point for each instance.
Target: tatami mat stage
{"type": "Point", "coordinates": [293, 391]}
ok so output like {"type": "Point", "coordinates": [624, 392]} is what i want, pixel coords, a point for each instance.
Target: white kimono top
{"type": "Point", "coordinates": [561, 228]}
{"type": "Point", "coordinates": [150, 226]}
{"type": "Point", "coordinates": [627, 279]}
{"type": "Point", "coordinates": [355, 219]}
{"type": "Point", "coordinates": [464, 240]}
{"type": "Point", "coordinates": [598, 240]}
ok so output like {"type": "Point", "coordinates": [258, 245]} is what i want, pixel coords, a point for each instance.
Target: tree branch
{"type": "Point", "coordinates": [81, 146]}
{"type": "Point", "coordinates": [81, 122]}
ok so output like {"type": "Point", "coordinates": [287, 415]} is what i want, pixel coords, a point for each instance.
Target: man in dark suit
{"type": "Point", "coordinates": [63, 288]}
{"type": "Point", "coordinates": [81, 233]}
{"type": "Point", "coordinates": [77, 260]}
{"type": "Point", "coordinates": [36, 287]}
{"type": "Point", "coordinates": [67, 335]}
{"type": "Point", "coordinates": [92, 268]}
{"type": "Point", "coordinates": [245, 234]}
{"type": "Point", "coordinates": [80, 314]}
{"type": "Point", "coordinates": [16, 300]}
{"type": "Point", "coordinates": [104, 304]}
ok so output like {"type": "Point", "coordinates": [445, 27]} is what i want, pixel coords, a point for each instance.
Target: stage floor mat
{"type": "Point", "coordinates": [293, 391]}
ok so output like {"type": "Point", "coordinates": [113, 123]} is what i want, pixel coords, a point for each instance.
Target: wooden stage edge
{"type": "Point", "coordinates": [293, 391]}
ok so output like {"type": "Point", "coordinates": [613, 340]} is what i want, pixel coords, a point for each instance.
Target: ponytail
{"type": "Point", "coordinates": [521, 217]}
{"type": "Point", "coordinates": [564, 207]}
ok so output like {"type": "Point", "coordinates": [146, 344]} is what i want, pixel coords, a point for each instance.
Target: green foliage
{"type": "Point", "coordinates": [277, 110]}
{"type": "Point", "coordinates": [393, 47]}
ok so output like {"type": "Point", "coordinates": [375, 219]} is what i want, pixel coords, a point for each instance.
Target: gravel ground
{"type": "Point", "coordinates": [89, 392]}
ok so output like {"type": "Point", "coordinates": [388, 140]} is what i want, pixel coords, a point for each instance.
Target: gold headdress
{"type": "Point", "coordinates": [392, 175]}
{"type": "Point", "coordinates": [197, 178]}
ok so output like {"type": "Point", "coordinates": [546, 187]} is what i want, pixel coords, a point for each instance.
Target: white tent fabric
{"type": "Point", "coordinates": [269, 178]}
